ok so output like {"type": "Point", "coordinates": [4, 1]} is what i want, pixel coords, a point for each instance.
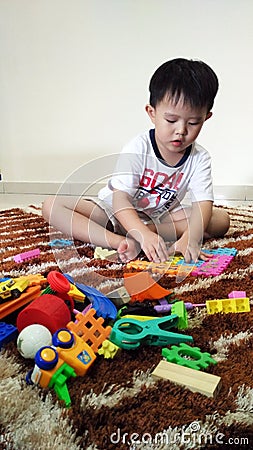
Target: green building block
{"type": "Point", "coordinates": [176, 354]}
{"type": "Point", "coordinates": [179, 309]}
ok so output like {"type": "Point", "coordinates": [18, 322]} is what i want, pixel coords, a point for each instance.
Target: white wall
{"type": "Point", "coordinates": [74, 79]}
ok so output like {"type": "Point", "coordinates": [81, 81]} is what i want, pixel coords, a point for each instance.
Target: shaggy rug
{"type": "Point", "coordinates": [118, 404]}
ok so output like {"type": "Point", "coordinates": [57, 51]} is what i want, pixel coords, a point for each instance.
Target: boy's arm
{"type": "Point", "coordinates": [152, 244]}
{"type": "Point", "coordinates": [189, 244]}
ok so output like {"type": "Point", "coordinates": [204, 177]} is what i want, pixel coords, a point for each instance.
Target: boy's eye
{"type": "Point", "coordinates": [194, 123]}
{"type": "Point", "coordinates": [170, 121]}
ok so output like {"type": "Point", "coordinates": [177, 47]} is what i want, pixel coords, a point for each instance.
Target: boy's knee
{"type": "Point", "coordinates": [47, 208]}
{"type": "Point", "coordinates": [224, 222]}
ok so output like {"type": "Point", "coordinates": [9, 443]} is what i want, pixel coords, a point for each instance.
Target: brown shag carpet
{"type": "Point", "coordinates": [118, 405]}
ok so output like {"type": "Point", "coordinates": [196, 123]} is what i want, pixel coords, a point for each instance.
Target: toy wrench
{"type": "Point", "coordinates": [131, 333]}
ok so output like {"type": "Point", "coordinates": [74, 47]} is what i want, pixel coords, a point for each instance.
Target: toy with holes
{"type": "Point", "coordinates": [228, 305]}
{"type": "Point", "coordinates": [8, 333]}
{"type": "Point", "coordinates": [219, 261]}
{"type": "Point", "coordinates": [69, 356]}
{"type": "Point", "coordinates": [21, 257]}
{"type": "Point", "coordinates": [178, 354]}
{"type": "Point", "coordinates": [90, 329]}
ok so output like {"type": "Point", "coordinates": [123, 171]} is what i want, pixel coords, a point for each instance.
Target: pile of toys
{"type": "Point", "coordinates": [64, 326]}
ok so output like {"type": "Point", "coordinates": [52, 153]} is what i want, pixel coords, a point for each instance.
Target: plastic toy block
{"type": "Point", "coordinates": [176, 354]}
{"type": "Point", "coordinates": [237, 294]}
{"type": "Point", "coordinates": [31, 293]}
{"type": "Point", "coordinates": [130, 333]}
{"type": "Point", "coordinates": [226, 305]}
{"type": "Point", "coordinates": [119, 296]}
{"type": "Point", "coordinates": [21, 257]}
{"type": "Point", "coordinates": [165, 308]}
{"type": "Point", "coordinates": [60, 243]}
{"type": "Point", "coordinates": [242, 304]}
{"type": "Point", "coordinates": [176, 266]}
{"type": "Point", "coordinates": [90, 329]}
{"type": "Point", "coordinates": [179, 309]}
{"type": "Point", "coordinates": [103, 253]}
{"type": "Point", "coordinates": [214, 266]}
{"type": "Point", "coordinates": [108, 349]}
{"type": "Point", "coordinates": [163, 268]}
{"type": "Point", "coordinates": [141, 286]}
{"type": "Point", "coordinates": [197, 381]}
{"type": "Point", "coordinates": [35, 279]}
{"type": "Point", "coordinates": [58, 383]}
{"type": "Point", "coordinates": [7, 333]}
{"type": "Point", "coordinates": [222, 251]}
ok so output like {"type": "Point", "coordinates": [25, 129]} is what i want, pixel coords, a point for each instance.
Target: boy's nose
{"type": "Point", "coordinates": [181, 132]}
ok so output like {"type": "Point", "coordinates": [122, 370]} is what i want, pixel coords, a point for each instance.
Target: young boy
{"type": "Point", "coordinates": [140, 208]}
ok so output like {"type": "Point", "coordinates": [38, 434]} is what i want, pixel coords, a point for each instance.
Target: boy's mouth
{"type": "Point", "coordinates": [177, 143]}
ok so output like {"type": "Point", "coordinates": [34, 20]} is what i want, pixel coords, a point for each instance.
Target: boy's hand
{"type": "Point", "coordinates": [154, 247]}
{"type": "Point", "coordinates": [191, 250]}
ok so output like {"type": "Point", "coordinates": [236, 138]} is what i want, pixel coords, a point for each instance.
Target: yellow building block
{"type": "Point", "coordinates": [228, 305]}
{"type": "Point", "coordinates": [195, 380]}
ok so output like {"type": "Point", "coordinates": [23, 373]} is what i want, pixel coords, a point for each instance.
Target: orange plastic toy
{"type": "Point", "coordinates": [141, 286]}
{"type": "Point", "coordinates": [90, 329]}
{"type": "Point", "coordinates": [9, 307]}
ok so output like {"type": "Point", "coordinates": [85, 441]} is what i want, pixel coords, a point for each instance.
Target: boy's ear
{"type": "Point", "coordinates": [209, 114]}
{"type": "Point", "coordinates": [151, 112]}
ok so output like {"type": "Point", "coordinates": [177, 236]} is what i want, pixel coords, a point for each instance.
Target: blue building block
{"type": "Point", "coordinates": [7, 333]}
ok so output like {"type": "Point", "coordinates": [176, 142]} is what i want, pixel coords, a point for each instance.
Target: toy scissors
{"type": "Point", "coordinates": [131, 333]}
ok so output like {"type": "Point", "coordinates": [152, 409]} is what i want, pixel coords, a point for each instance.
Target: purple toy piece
{"type": "Point", "coordinates": [214, 266]}
{"type": "Point", "coordinates": [26, 255]}
{"type": "Point", "coordinates": [237, 294]}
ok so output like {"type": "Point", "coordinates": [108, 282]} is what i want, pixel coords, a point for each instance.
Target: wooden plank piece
{"type": "Point", "coordinates": [195, 380]}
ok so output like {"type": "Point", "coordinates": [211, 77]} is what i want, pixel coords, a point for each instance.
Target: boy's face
{"type": "Point", "coordinates": [176, 127]}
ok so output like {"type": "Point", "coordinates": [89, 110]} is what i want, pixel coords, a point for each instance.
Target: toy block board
{"type": "Point", "coordinates": [195, 380]}
{"type": "Point", "coordinates": [176, 265]}
{"type": "Point", "coordinates": [9, 307]}
{"type": "Point", "coordinates": [213, 266]}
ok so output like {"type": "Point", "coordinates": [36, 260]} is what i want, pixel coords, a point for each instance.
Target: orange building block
{"type": "Point", "coordinates": [141, 286]}
{"type": "Point", "coordinates": [31, 293]}
{"type": "Point", "coordinates": [90, 329]}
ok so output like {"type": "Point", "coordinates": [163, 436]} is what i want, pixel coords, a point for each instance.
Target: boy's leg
{"type": "Point", "coordinates": [84, 220]}
{"type": "Point", "coordinates": [173, 225]}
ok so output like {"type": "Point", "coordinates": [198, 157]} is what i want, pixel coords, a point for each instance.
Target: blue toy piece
{"type": "Point", "coordinates": [7, 333]}
{"type": "Point", "coordinates": [102, 304]}
{"type": "Point", "coordinates": [60, 243]}
{"type": "Point", "coordinates": [130, 333]}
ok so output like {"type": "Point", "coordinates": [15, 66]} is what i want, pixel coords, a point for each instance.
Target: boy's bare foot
{"type": "Point", "coordinates": [128, 249]}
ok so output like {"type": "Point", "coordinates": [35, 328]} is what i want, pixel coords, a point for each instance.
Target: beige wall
{"type": "Point", "coordinates": [74, 80]}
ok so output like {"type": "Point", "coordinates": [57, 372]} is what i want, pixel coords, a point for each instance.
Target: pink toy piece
{"type": "Point", "coordinates": [26, 255]}
{"type": "Point", "coordinates": [214, 266]}
{"type": "Point", "coordinates": [237, 294]}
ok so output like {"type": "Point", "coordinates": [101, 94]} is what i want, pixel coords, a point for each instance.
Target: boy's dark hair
{"type": "Point", "coordinates": [195, 81]}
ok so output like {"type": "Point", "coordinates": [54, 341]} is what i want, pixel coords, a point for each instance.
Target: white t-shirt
{"type": "Point", "coordinates": [156, 187]}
